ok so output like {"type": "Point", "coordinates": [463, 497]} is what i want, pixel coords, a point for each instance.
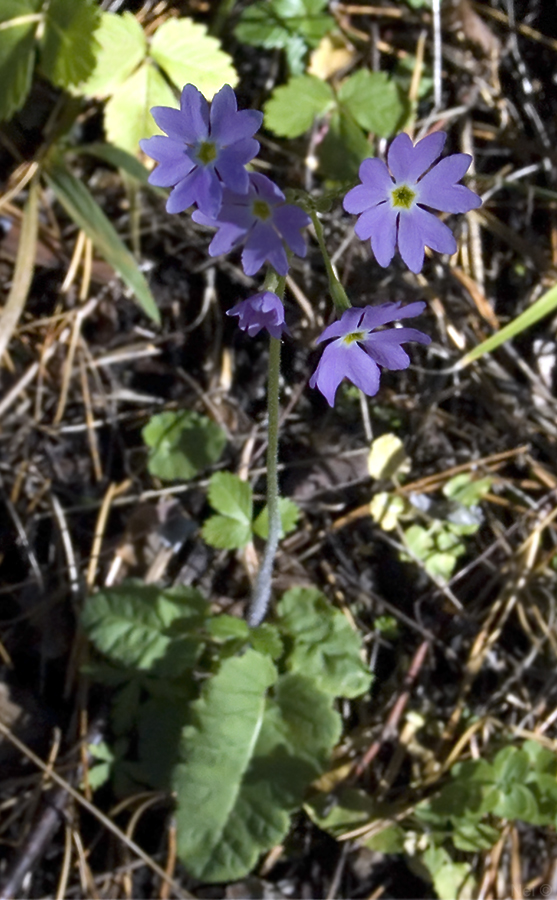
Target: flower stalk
{"type": "Point", "coordinates": [338, 294]}
{"type": "Point", "coordinates": [262, 590]}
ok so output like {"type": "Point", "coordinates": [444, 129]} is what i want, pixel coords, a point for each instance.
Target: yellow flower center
{"type": "Point", "coordinates": [403, 196]}
{"type": "Point", "coordinates": [261, 209]}
{"type": "Point", "coordinates": [354, 336]}
{"type": "Point", "coordinates": [207, 153]}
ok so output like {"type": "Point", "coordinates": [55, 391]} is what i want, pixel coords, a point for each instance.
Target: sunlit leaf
{"type": "Point", "coordinates": [293, 107]}
{"type": "Point", "coordinates": [189, 55]}
{"type": "Point", "coordinates": [289, 515]}
{"type": "Point", "coordinates": [387, 457]}
{"type": "Point", "coordinates": [121, 47]}
{"type": "Point", "coordinates": [374, 101]}
{"type": "Point", "coordinates": [343, 148]}
{"type": "Point", "coordinates": [127, 116]}
{"type": "Point", "coordinates": [233, 500]}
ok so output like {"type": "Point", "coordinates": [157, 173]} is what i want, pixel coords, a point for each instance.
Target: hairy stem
{"type": "Point", "coordinates": [262, 591]}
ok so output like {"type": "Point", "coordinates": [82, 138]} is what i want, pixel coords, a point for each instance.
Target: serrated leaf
{"type": "Point", "coordinates": [68, 45]}
{"type": "Point", "coordinates": [189, 55]}
{"type": "Point", "coordinates": [231, 496]}
{"type": "Point", "coordinates": [266, 639]}
{"type": "Point", "coordinates": [289, 515]}
{"type": "Point", "coordinates": [224, 627]}
{"type": "Point", "coordinates": [87, 214]}
{"type": "Point", "coordinates": [121, 46]}
{"type": "Point", "coordinates": [225, 533]}
{"type": "Point", "coordinates": [343, 148]}
{"type": "Point", "coordinates": [374, 101]}
{"type": "Point", "coordinates": [17, 53]}
{"type": "Point", "coordinates": [127, 116]}
{"type": "Point", "coordinates": [324, 646]}
{"type": "Point", "coordinates": [182, 444]}
{"type": "Point", "coordinates": [247, 762]}
{"type": "Point", "coordinates": [132, 624]}
{"type": "Point", "coordinates": [292, 25]}
{"type": "Point", "coordinates": [293, 107]}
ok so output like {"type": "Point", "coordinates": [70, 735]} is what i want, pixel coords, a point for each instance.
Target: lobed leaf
{"type": "Point", "coordinates": [248, 760]}
{"type": "Point", "coordinates": [293, 107]}
{"type": "Point", "coordinates": [182, 444]}
{"type": "Point", "coordinates": [127, 116]}
{"type": "Point", "coordinates": [121, 46]}
{"type": "Point", "coordinates": [324, 647]}
{"type": "Point", "coordinates": [68, 44]}
{"type": "Point", "coordinates": [374, 102]}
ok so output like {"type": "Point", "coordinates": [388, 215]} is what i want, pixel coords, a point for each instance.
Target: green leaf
{"type": "Point", "coordinates": [132, 624]}
{"type": "Point", "coordinates": [374, 101]}
{"type": "Point", "coordinates": [510, 766]}
{"type": "Point", "coordinates": [324, 646]}
{"type": "Point", "coordinates": [289, 515]}
{"type": "Point", "coordinates": [182, 444]}
{"type": "Point", "coordinates": [517, 803]}
{"type": "Point", "coordinates": [160, 725]}
{"type": "Point", "coordinates": [225, 533]}
{"type": "Point", "coordinates": [87, 214]}
{"type": "Point", "coordinates": [217, 751]}
{"type": "Point", "coordinates": [266, 639]}
{"type": "Point", "coordinates": [121, 47]}
{"type": "Point", "coordinates": [463, 489]}
{"type": "Point", "coordinates": [99, 773]}
{"type": "Point", "coordinates": [343, 148]}
{"type": "Point", "coordinates": [450, 879]}
{"type": "Point", "coordinates": [233, 498]}
{"type": "Point", "coordinates": [546, 304]}
{"type": "Point", "coordinates": [68, 46]}
{"type": "Point", "coordinates": [127, 116]}
{"type": "Point", "coordinates": [472, 837]}
{"type": "Point", "coordinates": [18, 23]}
{"type": "Point", "coordinates": [292, 25]}
{"type": "Point", "coordinates": [541, 758]}
{"type": "Point", "coordinates": [293, 107]}
{"type": "Point", "coordinates": [387, 457]}
{"type": "Point", "coordinates": [343, 811]}
{"type": "Point", "coordinates": [224, 627]}
{"type": "Point", "coordinates": [390, 840]}
{"type": "Point", "coordinates": [247, 763]}
{"type": "Point", "coordinates": [189, 55]}
{"type": "Point", "coordinates": [116, 157]}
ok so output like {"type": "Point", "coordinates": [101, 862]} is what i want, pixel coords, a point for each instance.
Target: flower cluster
{"type": "Point", "coordinates": [203, 156]}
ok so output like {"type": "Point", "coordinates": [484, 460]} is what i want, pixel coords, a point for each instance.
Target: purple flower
{"type": "Point", "coordinates": [264, 310]}
{"type": "Point", "coordinates": [357, 352]}
{"type": "Point", "coordinates": [205, 149]}
{"type": "Point", "coordinates": [390, 201]}
{"type": "Point", "coordinates": [262, 221]}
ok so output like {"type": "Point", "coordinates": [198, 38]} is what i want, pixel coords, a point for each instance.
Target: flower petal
{"type": "Point", "coordinates": [227, 124]}
{"type": "Point", "coordinates": [418, 228]}
{"type": "Point", "coordinates": [347, 324]}
{"type": "Point", "coordinates": [439, 190]}
{"type": "Point", "coordinates": [380, 225]}
{"type": "Point", "coordinates": [195, 113]}
{"type": "Point", "coordinates": [209, 192]}
{"type": "Point", "coordinates": [174, 163]}
{"type": "Point", "coordinates": [289, 220]}
{"type": "Point", "coordinates": [425, 153]}
{"type": "Point", "coordinates": [340, 361]}
{"type": "Point", "coordinates": [264, 244]}
{"type": "Point", "coordinates": [230, 164]}
{"type": "Point", "coordinates": [184, 194]}
{"type": "Point", "coordinates": [384, 346]}
{"type": "Point", "coordinates": [374, 316]}
{"type": "Point", "coordinates": [400, 156]}
{"type": "Point", "coordinates": [376, 187]}
{"type": "Point", "coordinates": [265, 188]}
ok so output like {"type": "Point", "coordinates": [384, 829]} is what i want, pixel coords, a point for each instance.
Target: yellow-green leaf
{"type": "Point", "coordinates": [189, 55]}
{"type": "Point", "coordinates": [121, 47]}
{"type": "Point", "coordinates": [127, 116]}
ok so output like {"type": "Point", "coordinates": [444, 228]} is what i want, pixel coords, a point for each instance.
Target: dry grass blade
{"type": "Point", "coordinates": [24, 267]}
